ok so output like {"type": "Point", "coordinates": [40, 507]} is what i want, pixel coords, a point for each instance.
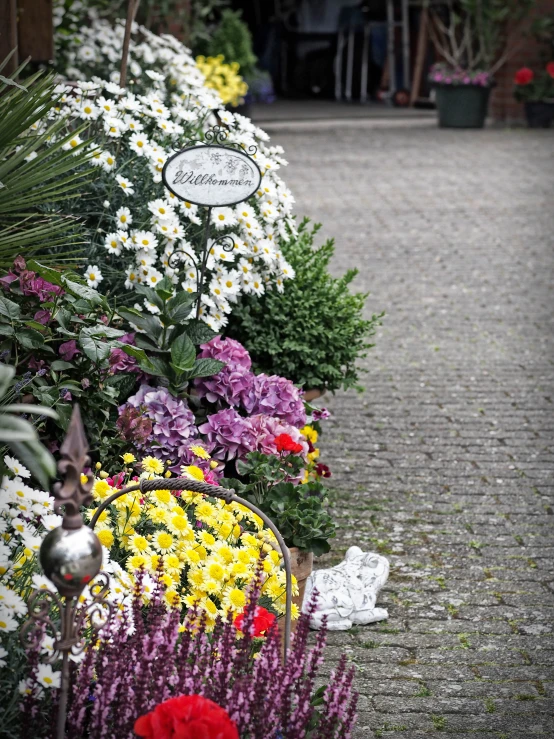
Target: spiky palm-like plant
{"type": "Point", "coordinates": [36, 171]}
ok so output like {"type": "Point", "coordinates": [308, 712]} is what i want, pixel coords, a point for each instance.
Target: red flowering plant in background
{"type": "Point", "coordinates": [187, 717]}
{"type": "Point", "coordinates": [530, 86]}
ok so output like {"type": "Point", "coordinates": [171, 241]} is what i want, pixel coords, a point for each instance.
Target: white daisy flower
{"type": "Point", "coordinates": [132, 277]}
{"type": "Point", "coordinates": [93, 275]}
{"type": "Point", "coordinates": [125, 184]}
{"type": "Point", "coordinates": [106, 106]}
{"type": "Point", "coordinates": [153, 277]}
{"type": "Point", "coordinates": [15, 466]}
{"type": "Point", "coordinates": [144, 240]}
{"type": "Point", "coordinates": [47, 677]}
{"type": "Point", "coordinates": [113, 127]}
{"type": "Point", "coordinates": [161, 209]}
{"type": "Point", "coordinates": [132, 124]}
{"type": "Point", "coordinates": [107, 161]}
{"type": "Point", "coordinates": [112, 244]}
{"type": "Point", "coordinates": [139, 143]}
{"type": "Point", "coordinates": [73, 142]}
{"type": "Point", "coordinates": [7, 621]}
{"type": "Point", "coordinates": [223, 217]}
{"type": "Point", "coordinates": [124, 218]}
{"type": "Point", "coordinates": [88, 111]}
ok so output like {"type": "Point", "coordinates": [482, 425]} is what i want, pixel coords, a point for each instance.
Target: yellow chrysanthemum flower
{"type": "Point", "coordinates": [215, 571]}
{"type": "Point", "coordinates": [158, 515]}
{"type": "Point", "coordinates": [172, 563]}
{"type": "Point", "coordinates": [138, 544]}
{"type": "Point", "coordinates": [161, 497]}
{"type": "Point", "coordinates": [205, 511]}
{"type": "Point", "coordinates": [192, 471]}
{"type": "Point", "coordinates": [199, 451]}
{"type": "Point", "coordinates": [235, 599]}
{"type": "Point", "coordinates": [163, 541]}
{"type": "Point", "coordinates": [101, 490]}
{"type": "Point", "coordinates": [152, 465]}
{"type": "Point", "coordinates": [136, 562]}
{"type": "Point", "coordinates": [178, 524]}
{"type": "Point", "coordinates": [106, 537]}
{"type": "Point", "coordinates": [128, 458]}
{"type": "Point", "coordinates": [206, 538]}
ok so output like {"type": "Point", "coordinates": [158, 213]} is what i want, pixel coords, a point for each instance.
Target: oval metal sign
{"type": "Point", "coordinates": [211, 175]}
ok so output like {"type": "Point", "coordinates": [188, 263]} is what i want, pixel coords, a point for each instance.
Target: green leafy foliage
{"type": "Point", "coordinates": [69, 343]}
{"type": "Point", "coordinates": [298, 510]}
{"type": "Point", "coordinates": [167, 349]}
{"type": "Point", "coordinates": [19, 434]}
{"type": "Point", "coordinates": [233, 39]}
{"type": "Point", "coordinates": [36, 171]}
{"type": "Point", "coordinates": [314, 332]}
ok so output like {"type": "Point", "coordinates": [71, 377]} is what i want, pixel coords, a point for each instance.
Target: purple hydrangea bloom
{"type": "Point", "coordinates": [173, 423]}
{"type": "Point", "coordinates": [231, 434]}
{"type": "Point", "coordinates": [122, 362]}
{"type": "Point", "coordinates": [276, 396]}
{"type": "Point", "coordinates": [231, 384]}
{"type": "Point", "coordinates": [226, 350]}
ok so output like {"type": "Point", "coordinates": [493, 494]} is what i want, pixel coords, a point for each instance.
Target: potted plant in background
{"type": "Point", "coordinates": [536, 89]}
{"type": "Point", "coordinates": [471, 36]}
{"type": "Point", "coordinates": [232, 40]}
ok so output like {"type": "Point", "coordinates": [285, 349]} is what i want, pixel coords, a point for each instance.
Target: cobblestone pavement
{"type": "Point", "coordinates": [445, 463]}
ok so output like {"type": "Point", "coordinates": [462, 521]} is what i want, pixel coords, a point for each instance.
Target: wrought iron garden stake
{"type": "Point", "coordinates": [71, 557]}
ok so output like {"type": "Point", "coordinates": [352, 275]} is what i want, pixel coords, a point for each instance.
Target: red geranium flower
{"type": "Point", "coordinates": [187, 717]}
{"type": "Point", "coordinates": [550, 69]}
{"type": "Point", "coordinates": [285, 443]}
{"type": "Point", "coordinates": [524, 76]}
{"type": "Point", "coordinates": [263, 620]}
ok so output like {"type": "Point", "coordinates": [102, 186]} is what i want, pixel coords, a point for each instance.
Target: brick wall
{"type": "Point", "coordinates": [503, 106]}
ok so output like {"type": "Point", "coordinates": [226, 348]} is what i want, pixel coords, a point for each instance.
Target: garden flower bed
{"type": "Point", "coordinates": [131, 328]}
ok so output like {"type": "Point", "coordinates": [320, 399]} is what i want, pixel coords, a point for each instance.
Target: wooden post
{"type": "Point", "coordinates": [132, 8]}
{"type": "Point", "coordinates": [36, 30]}
{"type": "Point", "coordinates": [422, 44]}
{"type": "Point", "coordinates": [8, 34]}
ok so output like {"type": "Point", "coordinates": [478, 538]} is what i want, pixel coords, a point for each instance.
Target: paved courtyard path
{"type": "Point", "coordinates": [445, 464]}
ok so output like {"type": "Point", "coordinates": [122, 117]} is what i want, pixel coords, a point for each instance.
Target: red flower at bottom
{"type": "Point", "coordinates": [187, 717]}
{"type": "Point", "coordinates": [263, 620]}
{"type": "Point", "coordinates": [524, 76]}
{"type": "Point", "coordinates": [550, 69]}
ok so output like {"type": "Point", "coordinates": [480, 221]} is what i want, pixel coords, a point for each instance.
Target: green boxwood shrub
{"type": "Point", "coordinates": [314, 331]}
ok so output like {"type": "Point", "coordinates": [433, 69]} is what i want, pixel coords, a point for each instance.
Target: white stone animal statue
{"type": "Point", "coordinates": [348, 591]}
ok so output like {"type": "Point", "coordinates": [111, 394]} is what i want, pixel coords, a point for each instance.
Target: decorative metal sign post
{"type": "Point", "coordinates": [71, 557]}
{"type": "Point", "coordinates": [213, 174]}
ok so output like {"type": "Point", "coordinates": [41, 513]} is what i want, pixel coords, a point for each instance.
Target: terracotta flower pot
{"type": "Point", "coordinates": [310, 395]}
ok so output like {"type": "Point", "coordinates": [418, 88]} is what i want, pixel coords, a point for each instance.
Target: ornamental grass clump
{"type": "Point", "coordinates": [134, 670]}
